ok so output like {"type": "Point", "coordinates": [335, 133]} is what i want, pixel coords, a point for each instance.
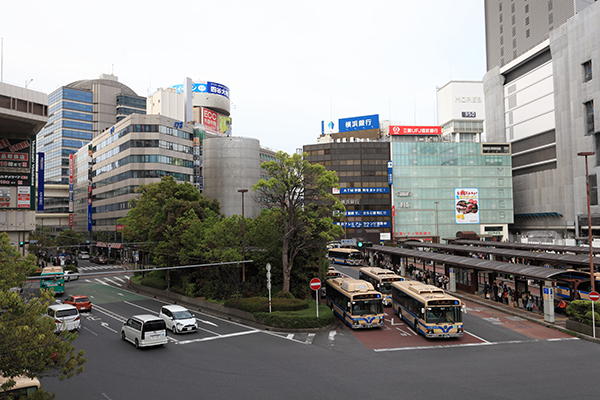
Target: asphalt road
{"type": "Point", "coordinates": [508, 359]}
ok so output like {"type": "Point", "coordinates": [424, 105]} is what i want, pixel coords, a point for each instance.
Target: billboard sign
{"type": "Point", "coordinates": [205, 87]}
{"type": "Point", "coordinates": [466, 204]}
{"type": "Point", "coordinates": [210, 120]}
{"type": "Point", "coordinates": [415, 130]}
{"type": "Point", "coordinates": [40, 204]}
{"type": "Point", "coordinates": [359, 123]}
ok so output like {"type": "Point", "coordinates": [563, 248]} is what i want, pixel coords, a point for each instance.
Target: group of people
{"type": "Point", "coordinates": [502, 293]}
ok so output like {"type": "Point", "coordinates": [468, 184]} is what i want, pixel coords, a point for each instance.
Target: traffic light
{"type": "Point", "coordinates": [359, 244]}
{"type": "Point", "coordinates": [21, 243]}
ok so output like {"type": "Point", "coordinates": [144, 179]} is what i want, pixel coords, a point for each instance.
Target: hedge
{"type": "Point", "coordinates": [581, 311]}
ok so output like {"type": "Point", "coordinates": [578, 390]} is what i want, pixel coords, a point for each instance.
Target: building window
{"type": "Point", "coordinates": [501, 29]}
{"type": "Point", "coordinates": [593, 190]}
{"type": "Point", "coordinates": [500, 18]}
{"type": "Point", "coordinates": [589, 116]}
{"type": "Point", "coordinates": [512, 8]}
{"type": "Point", "coordinates": [526, 8]}
{"type": "Point", "coordinates": [587, 71]}
{"type": "Point", "coordinates": [500, 6]}
{"type": "Point", "coordinates": [527, 33]}
{"type": "Point", "coordinates": [514, 54]}
{"type": "Point", "coordinates": [513, 20]}
{"type": "Point", "coordinates": [514, 43]}
{"type": "Point", "coordinates": [550, 19]}
{"type": "Point", "coordinates": [526, 20]}
{"type": "Point", "coordinates": [501, 40]}
{"type": "Point", "coordinates": [514, 31]}
{"type": "Point", "coordinates": [550, 5]}
{"type": "Point", "coordinates": [501, 51]}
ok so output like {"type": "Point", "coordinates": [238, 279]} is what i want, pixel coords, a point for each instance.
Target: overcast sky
{"type": "Point", "coordinates": [288, 65]}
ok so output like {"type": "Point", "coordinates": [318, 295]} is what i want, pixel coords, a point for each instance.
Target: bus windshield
{"type": "Point", "coordinates": [438, 315]}
{"type": "Point", "coordinates": [385, 288]}
{"type": "Point", "coordinates": [366, 307]}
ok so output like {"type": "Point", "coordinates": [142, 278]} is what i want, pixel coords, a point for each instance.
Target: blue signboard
{"type": "Point", "coordinates": [377, 213]}
{"type": "Point", "coordinates": [205, 87]}
{"type": "Point", "coordinates": [353, 213]}
{"type": "Point", "coordinates": [390, 173]}
{"type": "Point", "coordinates": [89, 215]}
{"type": "Point", "coordinates": [359, 123]}
{"type": "Point", "coordinates": [365, 190]}
{"type": "Point", "coordinates": [40, 204]}
{"type": "Point", "coordinates": [376, 224]}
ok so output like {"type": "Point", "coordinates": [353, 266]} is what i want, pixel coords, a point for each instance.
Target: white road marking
{"type": "Point", "coordinates": [331, 336]}
{"type": "Point", "coordinates": [290, 336]}
{"type": "Point", "coordinates": [219, 337]}
{"type": "Point", "coordinates": [207, 322]}
{"type": "Point", "coordinates": [310, 338]}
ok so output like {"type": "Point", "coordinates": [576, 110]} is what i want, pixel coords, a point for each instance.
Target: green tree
{"type": "Point", "coordinates": [302, 192]}
{"type": "Point", "coordinates": [43, 241]}
{"type": "Point", "coordinates": [28, 344]}
{"type": "Point", "coordinates": [161, 212]}
{"type": "Point", "coordinates": [69, 240]}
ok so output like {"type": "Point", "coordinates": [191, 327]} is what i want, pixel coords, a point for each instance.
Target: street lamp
{"type": "Point", "coordinates": [436, 221]}
{"type": "Point", "coordinates": [587, 184]}
{"type": "Point", "coordinates": [242, 191]}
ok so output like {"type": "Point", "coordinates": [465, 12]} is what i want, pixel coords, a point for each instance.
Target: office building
{"type": "Point", "coordinates": [23, 113]}
{"type": "Point", "coordinates": [541, 102]}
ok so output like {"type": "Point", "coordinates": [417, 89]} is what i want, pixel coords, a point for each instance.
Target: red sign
{"type": "Point", "coordinates": [415, 130]}
{"type": "Point", "coordinates": [70, 220]}
{"type": "Point", "coordinates": [594, 296]}
{"type": "Point", "coordinates": [210, 119]}
{"type": "Point", "coordinates": [315, 283]}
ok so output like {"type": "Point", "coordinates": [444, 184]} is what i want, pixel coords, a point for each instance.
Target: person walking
{"type": "Point", "coordinates": [529, 303]}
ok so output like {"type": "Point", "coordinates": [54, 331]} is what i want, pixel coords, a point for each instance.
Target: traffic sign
{"type": "Point", "coordinates": [315, 283]}
{"type": "Point", "coordinates": [594, 296]}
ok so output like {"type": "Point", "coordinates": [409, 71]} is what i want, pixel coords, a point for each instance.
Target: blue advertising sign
{"type": "Point", "coordinates": [390, 173]}
{"type": "Point", "coordinates": [359, 123]}
{"type": "Point", "coordinates": [89, 215]}
{"type": "Point", "coordinates": [353, 213]}
{"type": "Point", "coordinates": [40, 204]}
{"type": "Point", "coordinates": [365, 190]}
{"type": "Point", "coordinates": [376, 224]}
{"type": "Point", "coordinates": [377, 213]}
{"type": "Point", "coordinates": [205, 87]}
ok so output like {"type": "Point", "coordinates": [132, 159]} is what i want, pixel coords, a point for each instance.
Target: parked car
{"type": "Point", "coordinates": [71, 276]}
{"type": "Point", "coordinates": [94, 258]}
{"type": "Point", "coordinates": [144, 330]}
{"type": "Point", "coordinates": [178, 319]}
{"type": "Point", "coordinates": [82, 303]}
{"type": "Point", "coordinates": [66, 317]}
{"type": "Point", "coordinates": [102, 260]}
{"type": "Point", "coordinates": [84, 255]}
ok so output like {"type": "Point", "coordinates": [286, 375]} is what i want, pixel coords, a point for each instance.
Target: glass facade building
{"type": "Point", "coordinates": [432, 180]}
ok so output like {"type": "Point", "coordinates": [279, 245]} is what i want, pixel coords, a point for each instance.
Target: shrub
{"type": "Point", "coordinates": [588, 317]}
{"type": "Point", "coordinates": [581, 311]}
{"type": "Point", "coordinates": [153, 282]}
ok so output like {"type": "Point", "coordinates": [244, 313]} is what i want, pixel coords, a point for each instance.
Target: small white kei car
{"type": "Point", "coordinates": [178, 319]}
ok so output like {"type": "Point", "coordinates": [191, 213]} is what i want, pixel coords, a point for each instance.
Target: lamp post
{"type": "Point", "coordinates": [436, 221]}
{"type": "Point", "coordinates": [242, 191]}
{"type": "Point", "coordinates": [587, 185]}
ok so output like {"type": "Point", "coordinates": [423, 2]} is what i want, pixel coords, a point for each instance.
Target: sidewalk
{"type": "Point", "coordinates": [560, 320]}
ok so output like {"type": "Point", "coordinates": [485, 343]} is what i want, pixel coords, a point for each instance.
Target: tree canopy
{"type": "Point", "coordinates": [302, 193]}
{"type": "Point", "coordinates": [28, 344]}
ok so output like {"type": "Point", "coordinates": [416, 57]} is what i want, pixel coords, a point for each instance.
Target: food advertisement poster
{"type": "Point", "coordinates": [466, 203]}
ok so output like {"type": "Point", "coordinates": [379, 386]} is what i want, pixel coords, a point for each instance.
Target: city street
{"type": "Point", "coordinates": [230, 360]}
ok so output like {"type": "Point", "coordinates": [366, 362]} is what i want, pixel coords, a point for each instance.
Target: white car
{"type": "Point", "coordinates": [71, 276]}
{"type": "Point", "coordinates": [66, 317]}
{"type": "Point", "coordinates": [144, 330]}
{"type": "Point", "coordinates": [84, 255]}
{"type": "Point", "coordinates": [178, 319]}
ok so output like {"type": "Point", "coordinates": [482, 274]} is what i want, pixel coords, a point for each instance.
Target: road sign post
{"type": "Point", "coordinates": [594, 297]}
{"type": "Point", "coordinates": [315, 284]}
{"type": "Point", "coordinates": [268, 266]}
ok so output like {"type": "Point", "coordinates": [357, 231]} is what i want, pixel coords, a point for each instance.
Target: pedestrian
{"type": "Point", "coordinates": [529, 303]}
{"type": "Point", "coordinates": [524, 298]}
{"type": "Point", "coordinates": [495, 291]}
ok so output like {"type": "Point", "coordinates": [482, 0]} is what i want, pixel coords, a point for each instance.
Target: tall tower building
{"type": "Point", "coordinates": [514, 26]}
{"type": "Point", "coordinates": [78, 112]}
{"type": "Point", "coordinates": [539, 91]}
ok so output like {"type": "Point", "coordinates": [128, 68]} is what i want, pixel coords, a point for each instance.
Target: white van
{"type": "Point", "coordinates": [145, 330]}
{"type": "Point", "coordinates": [66, 317]}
